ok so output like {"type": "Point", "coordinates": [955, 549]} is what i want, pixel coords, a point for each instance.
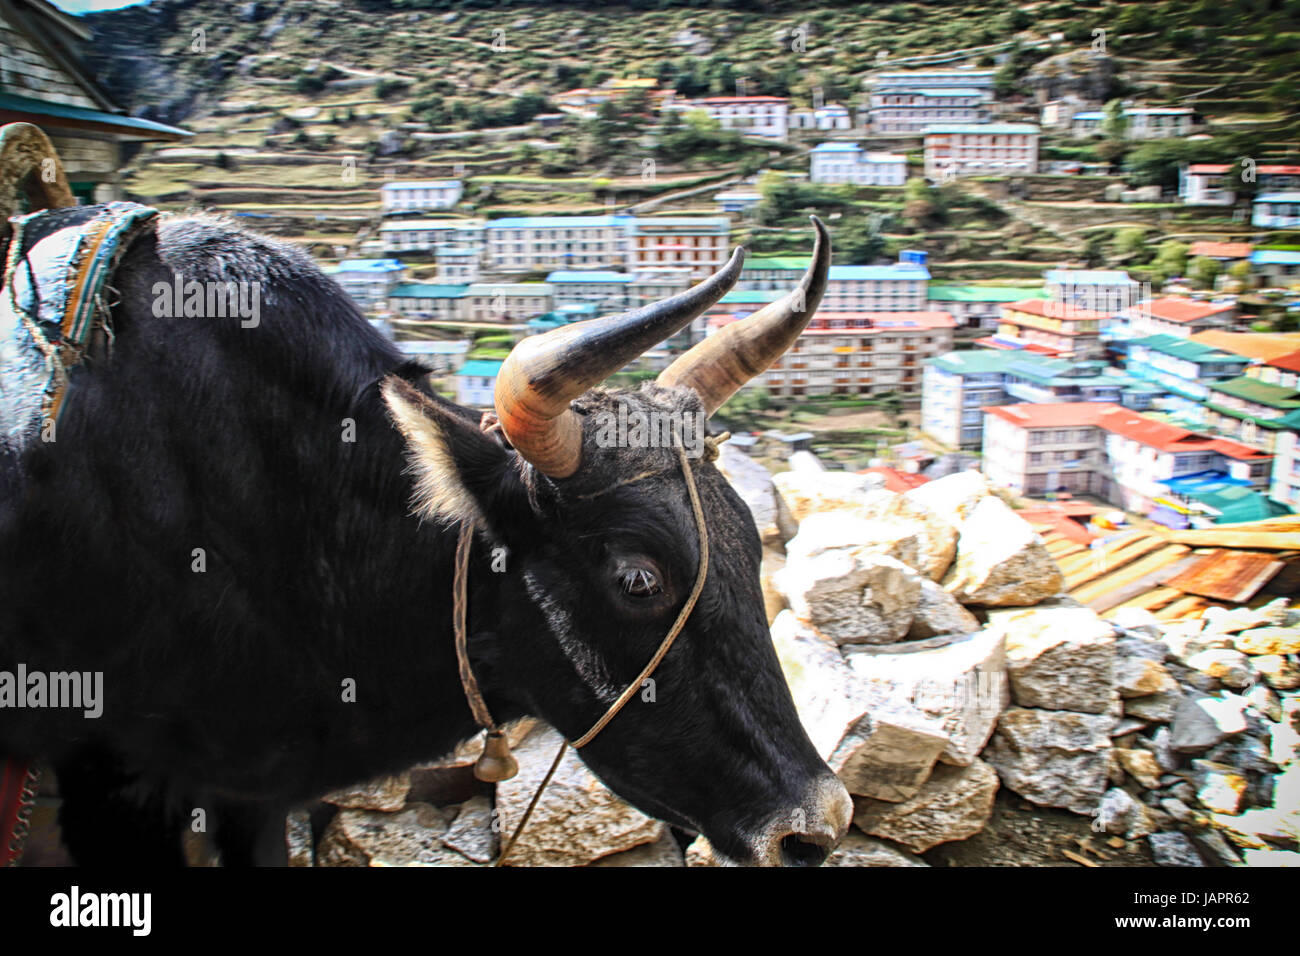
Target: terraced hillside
{"type": "Point", "coordinates": [302, 108]}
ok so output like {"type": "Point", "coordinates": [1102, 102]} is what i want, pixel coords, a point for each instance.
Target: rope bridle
{"type": "Point", "coordinates": [496, 750]}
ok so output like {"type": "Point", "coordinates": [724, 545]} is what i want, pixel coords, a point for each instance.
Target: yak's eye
{"type": "Point", "coordinates": [639, 582]}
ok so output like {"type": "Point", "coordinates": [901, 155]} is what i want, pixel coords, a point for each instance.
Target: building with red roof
{"type": "Point", "coordinates": [1223, 251]}
{"type": "Point", "coordinates": [1179, 315]}
{"type": "Point", "coordinates": [1104, 449]}
{"type": "Point", "coordinates": [1051, 328]}
{"type": "Point", "coordinates": [1206, 184]}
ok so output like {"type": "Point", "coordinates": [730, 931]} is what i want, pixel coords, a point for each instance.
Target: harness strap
{"type": "Point", "coordinates": [476, 702]}
{"type": "Point", "coordinates": [18, 780]}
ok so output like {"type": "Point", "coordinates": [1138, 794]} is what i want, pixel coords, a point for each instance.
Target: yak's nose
{"type": "Point", "coordinates": [805, 835]}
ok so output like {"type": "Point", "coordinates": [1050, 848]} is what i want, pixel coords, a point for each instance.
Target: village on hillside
{"type": "Point", "coordinates": [1065, 300]}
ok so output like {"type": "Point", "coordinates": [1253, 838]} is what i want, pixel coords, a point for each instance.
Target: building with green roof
{"type": "Point", "coordinates": [1184, 369]}
{"type": "Point", "coordinates": [977, 305]}
{"type": "Point", "coordinates": [1255, 412]}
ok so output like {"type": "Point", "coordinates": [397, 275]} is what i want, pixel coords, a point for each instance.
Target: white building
{"type": "Point", "coordinates": [1204, 184]}
{"type": "Point", "coordinates": [961, 77]}
{"type": "Point", "coordinates": [368, 281]}
{"type": "Point", "coordinates": [511, 302]}
{"type": "Point", "coordinates": [1276, 210]}
{"type": "Point", "coordinates": [907, 112]}
{"type": "Point", "coordinates": [425, 235]}
{"type": "Point", "coordinates": [430, 195]}
{"type": "Point", "coordinates": [697, 244]}
{"type": "Point", "coordinates": [1099, 290]}
{"type": "Point", "coordinates": [832, 116]}
{"type": "Point", "coordinates": [525, 243]}
{"type": "Point", "coordinates": [458, 263]}
{"type": "Point", "coordinates": [900, 287]}
{"type": "Point", "coordinates": [975, 150]}
{"type": "Point", "coordinates": [476, 382]}
{"type": "Point", "coordinates": [850, 163]}
{"type": "Point", "coordinates": [1143, 122]}
{"type": "Point", "coordinates": [609, 290]}
{"type": "Point", "coordinates": [750, 115]}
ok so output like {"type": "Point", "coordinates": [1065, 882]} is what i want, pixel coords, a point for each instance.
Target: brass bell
{"type": "Point", "coordinates": [496, 763]}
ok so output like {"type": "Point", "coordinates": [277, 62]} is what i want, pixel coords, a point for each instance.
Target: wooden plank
{"type": "Point", "coordinates": [1112, 562]}
{"type": "Point", "coordinates": [1153, 599]}
{"type": "Point", "coordinates": [1214, 538]}
{"type": "Point", "coordinates": [1107, 591]}
{"type": "Point", "coordinates": [1232, 576]}
{"type": "Point", "coordinates": [1085, 559]}
{"type": "Point", "coordinates": [1183, 607]}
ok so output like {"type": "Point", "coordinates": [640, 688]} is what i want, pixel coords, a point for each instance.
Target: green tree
{"type": "Point", "coordinates": [1203, 271]}
{"type": "Point", "coordinates": [1158, 163]}
{"type": "Point", "coordinates": [860, 240]}
{"type": "Point", "coordinates": [1170, 261]}
{"type": "Point", "coordinates": [1114, 124]}
{"type": "Point", "coordinates": [1131, 241]}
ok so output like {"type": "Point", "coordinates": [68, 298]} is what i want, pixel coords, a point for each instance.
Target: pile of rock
{"type": "Point", "coordinates": [933, 660]}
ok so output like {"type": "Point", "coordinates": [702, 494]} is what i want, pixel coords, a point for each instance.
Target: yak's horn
{"type": "Point", "coordinates": [29, 166]}
{"type": "Point", "coordinates": [543, 373]}
{"type": "Point", "coordinates": [718, 366]}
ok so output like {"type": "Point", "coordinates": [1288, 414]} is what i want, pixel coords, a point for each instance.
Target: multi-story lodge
{"type": "Point", "coordinates": [1102, 290]}
{"type": "Point", "coordinates": [430, 195]}
{"type": "Point", "coordinates": [426, 235]}
{"type": "Point", "coordinates": [526, 243]}
{"type": "Point", "coordinates": [697, 245]}
{"type": "Point", "coordinates": [1250, 409]}
{"type": "Point", "coordinates": [369, 281]}
{"type": "Point", "coordinates": [1285, 487]}
{"type": "Point", "coordinates": [1176, 315]}
{"type": "Point", "coordinates": [1117, 454]}
{"type": "Point", "coordinates": [960, 78]}
{"type": "Point", "coordinates": [1142, 122]}
{"type": "Point", "coordinates": [900, 287]}
{"type": "Point", "coordinates": [609, 290]}
{"type": "Point", "coordinates": [955, 149]}
{"type": "Point", "coordinates": [957, 386]}
{"type": "Point", "coordinates": [1183, 370]}
{"type": "Point", "coordinates": [858, 353]}
{"type": "Point", "coordinates": [850, 163]}
{"type": "Point", "coordinates": [906, 112]}
{"type": "Point", "coordinates": [751, 115]}
{"type": "Point", "coordinates": [1057, 329]}
{"type": "Point", "coordinates": [976, 306]}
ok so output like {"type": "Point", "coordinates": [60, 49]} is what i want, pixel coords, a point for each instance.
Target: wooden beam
{"type": "Point", "coordinates": [1155, 566]}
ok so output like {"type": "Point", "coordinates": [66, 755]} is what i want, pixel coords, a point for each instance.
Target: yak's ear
{"type": "Point", "coordinates": [460, 472]}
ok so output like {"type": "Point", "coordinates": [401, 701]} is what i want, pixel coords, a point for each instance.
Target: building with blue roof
{"type": "Point", "coordinates": [850, 163]}
{"type": "Point", "coordinates": [1100, 290]}
{"type": "Point", "coordinates": [1276, 210]}
{"type": "Point", "coordinates": [368, 281]}
{"type": "Point", "coordinates": [1276, 267]}
{"type": "Point", "coordinates": [476, 382]}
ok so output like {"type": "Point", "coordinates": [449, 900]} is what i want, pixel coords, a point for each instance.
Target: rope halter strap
{"type": "Point", "coordinates": [496, 759]}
